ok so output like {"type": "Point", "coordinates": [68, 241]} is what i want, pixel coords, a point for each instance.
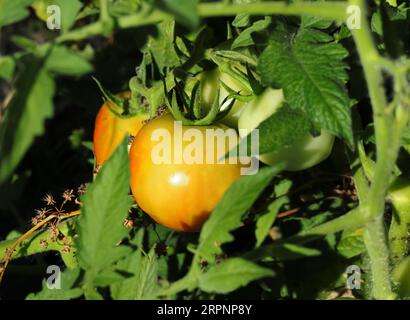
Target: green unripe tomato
{"type": "Point", "coordinates": [211, 83]}
{"type": "Point", "coordinates": [305, 153]}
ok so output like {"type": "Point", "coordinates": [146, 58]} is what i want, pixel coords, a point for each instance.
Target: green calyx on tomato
{"type": "Point", "coordinates": [179, 194]}
{"type": "Point", "coordinates": [191, 108]}
{"type": "Point", "coordinates": [305, 153]}
{"type": "Point", "coordinates": [121, 105]}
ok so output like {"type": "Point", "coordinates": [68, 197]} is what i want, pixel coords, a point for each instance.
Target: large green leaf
{"type": "Point", "coordinates": [25, 115]}
{"type": "Point", "coordinates": [147, 277]}
{"type": "Point", "coordinates": [13, 10]}
{"type": "Point", "coordinates": [230, 275]}
{"type": "Point", "coordinates": [227, 215]}
{"type": "Point", "coordinates": [309, 67]}
{"type": "Point", "coordinates": [60, 59]}
{"type": "Point", "coordinates": [105, 206]}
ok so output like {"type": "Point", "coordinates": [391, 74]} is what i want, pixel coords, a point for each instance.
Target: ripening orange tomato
{"type": "Point", "coordinates": [110, 129]}
{"type": "Point", "coordinates": [169, 181]}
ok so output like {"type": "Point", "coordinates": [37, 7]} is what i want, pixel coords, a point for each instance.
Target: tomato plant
{"type": "Point", "coordinates": [294, 83]}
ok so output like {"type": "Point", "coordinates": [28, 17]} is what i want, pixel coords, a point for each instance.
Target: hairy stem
{"type": "Point", "coordinates": [388, 135]}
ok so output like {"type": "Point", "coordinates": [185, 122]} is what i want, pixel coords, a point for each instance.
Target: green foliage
{"type": "Point", "coordinates": [227, 215]}
{"type": "Point", "coordinates": [12, 11]}
{"type": "Point", "coordinates": [310, 69]}
{"type": "Point", "coordinates": [280, 130]}
{"type": "Point", "coordinates": [7, 66]}
{"type": "Point", "coordinates": [105, 206]}
{"type": "Point", "coordinates": [230, 275]}
{"type": "Point", "coordinates": [245, 37]}
{"type": "Point", "coordinates": [26, 113]}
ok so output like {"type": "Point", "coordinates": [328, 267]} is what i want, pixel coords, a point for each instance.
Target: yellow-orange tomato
{"type": "Point", "coordinates": [110, 129]}
{"type": "Point", "coordinates": [180, 193]}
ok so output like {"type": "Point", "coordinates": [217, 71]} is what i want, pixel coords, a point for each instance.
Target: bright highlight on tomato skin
{"type": "Point", "coordinates": [178, 196]}
{"type": "Point", "coordinates": [110, 129]}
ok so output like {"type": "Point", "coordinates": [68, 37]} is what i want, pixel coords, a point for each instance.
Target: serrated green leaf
{"type": "Point", "coordinates": [227, 215]}
{"type": "Point", "coordinates": [13, 10]}
{"type": "Point", "coordinates": [285, 127]}
{"type": "Point", "coordinates": [147, 277]}
{"type": "Point", "coordinates": [131, 264]}
{"type": "Point", "coordinates": [60, 59]}
{"type": "Point", "coordinates": [25, 115]}
{"type": "Point", "coordinates": [105, 206]}
{"type": "Point", "coordinates": [162, 48]}
{"type": "Point", "coordinates": [309, 68]}
{"type": "Point", "coordinates": [231, 275]}
{"type": "Point", "coordinates": [265, 222]}
{"type": "Point", "coordinates": [66, 292]}
{"type": "Point", "coordinates": [245, 37]}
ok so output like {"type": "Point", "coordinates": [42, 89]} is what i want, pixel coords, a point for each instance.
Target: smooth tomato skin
{"type": "Point", "coordinates": [178, 196]}
{"type": "Point", "coordinates": [305, 153]}
{"type": "Point", "coordinates": [109, 130]}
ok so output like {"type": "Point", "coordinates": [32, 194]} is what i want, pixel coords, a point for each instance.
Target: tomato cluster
{"type": "Point", "coordinates": [182, 194]}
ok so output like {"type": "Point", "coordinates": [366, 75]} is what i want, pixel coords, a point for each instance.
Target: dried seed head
{"type": "Point", "coordinates": [68, 195]}
{"type": "Point", "coordinates": [49, 200]}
